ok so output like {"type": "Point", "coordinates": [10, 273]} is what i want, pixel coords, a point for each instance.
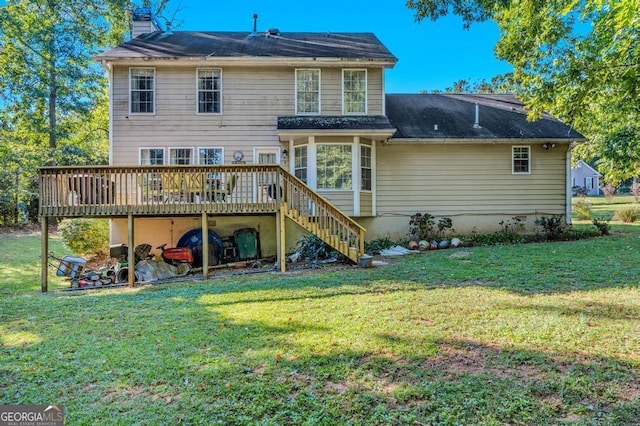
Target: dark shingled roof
{"type": "Point", "coordinates": [500, 117]}
{"type": "Point", "coordinates": [194, 44]}
{"type": "Point", "coordinates": [334, 122]}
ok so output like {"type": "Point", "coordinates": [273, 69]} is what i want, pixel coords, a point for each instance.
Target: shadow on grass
{"type": "Point", "coordinates": [168, 355]}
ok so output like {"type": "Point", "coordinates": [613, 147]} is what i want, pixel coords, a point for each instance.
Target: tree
{"type": "Point", "coordinates": [578, 60]}
{"type": "Point", "coordinates": [52, 93]}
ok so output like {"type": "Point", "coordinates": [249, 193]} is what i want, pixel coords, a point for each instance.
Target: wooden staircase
{"type": "Point", "coordinates": [319, 217]}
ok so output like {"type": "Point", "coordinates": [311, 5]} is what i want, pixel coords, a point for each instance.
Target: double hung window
{"type": "Point", "coordinates": [142, 90]}
{"type": "Point", "coordinates": [521, 160]}
{"type": "Point", "coordinates": [307, 91]}
{"type": "Point", "coordinates": [209, 91]}
{"type": "Point", "coordinates": [354, 91]}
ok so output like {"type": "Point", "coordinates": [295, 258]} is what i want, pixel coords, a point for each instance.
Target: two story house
{"type": "Point", "coordinates": [290, 132]}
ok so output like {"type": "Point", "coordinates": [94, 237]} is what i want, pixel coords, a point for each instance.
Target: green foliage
{"type": "Point", "coordinates": [312, 248]}
{"type": "Point", "coordinates": [85, 236]}
{"type": "Point", "coordinates": [421, 226]}
{"type": "Point", "coordinates": [602, 225]}
{"type": "Point", "coordinates": [628, 214]}
{"type": "Point", "coordinates": [510, 233]}
{"type": "Point", "coordinates": [572, 59]}
{"type": "Point", "coordinates": [582, 209]}
{"type": "Point", "coordinates": [378, 244]}
{"type": "Point", "coordinates": [424, 227]}
{"type": "Point", "coordinates": [553, 226]}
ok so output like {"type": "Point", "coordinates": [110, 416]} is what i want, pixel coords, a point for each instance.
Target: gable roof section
{"type": "Point", "coordinates": [581, 164]}
{"type": "Point", "coordinates": [203, 45]}
{"type": "Point", "coordinates": [439, 116]}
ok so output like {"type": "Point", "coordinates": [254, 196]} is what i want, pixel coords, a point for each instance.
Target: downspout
{"type": "Point", "coordinates": [568, 195]}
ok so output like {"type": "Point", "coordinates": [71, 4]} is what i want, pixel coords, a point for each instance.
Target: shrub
{"type": "Point", "coordinates": [553, 226]}
{"type": "Point", "coordinates": [628, 214]}
{"type": "Point", "coordinates": [582, 209]}
{"type": "Point", "coordinates": [602, 225]}
{"type": "Point", "coordinates": [581, 191]}
{"type": "Point", "coordinates": [85, 236]}
{"type": "Point", "coordinates": [423, 227]}
{"type": "Point", "coordinates": [378, 244]}
{"type": "Point", "coordinates": [312, 248]}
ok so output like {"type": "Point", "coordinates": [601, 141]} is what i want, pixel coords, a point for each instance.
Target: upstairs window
{"type": "Point", "coordinates": [142, 86]}
{"type": "Point", "coordinates": [354, 91]}
{"type": "Point", "coordinates": [180, 156]}
{"type": "Point", "coordinates": [307, 91]}
{"type": "Point", "coordinates": [334, 166]}
{"type": "Point", "coordinates": [521, 160]}
{"type": "Point", "coordinates": [365, 167]}
{"type": "Point", "coordinates": [209, 91]}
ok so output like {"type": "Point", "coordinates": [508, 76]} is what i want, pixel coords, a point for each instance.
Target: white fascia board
{"type": "Point", "coordinates": [485, 141]}
{"type": "Point", "coordinates": [252, 61]}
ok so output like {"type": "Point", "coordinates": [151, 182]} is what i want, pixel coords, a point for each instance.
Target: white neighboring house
{"type": "Point", "coordinates": [583, 175]}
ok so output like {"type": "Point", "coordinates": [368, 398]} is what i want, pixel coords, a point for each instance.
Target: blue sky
{"type": "Point", "coordinates": [431, 55]}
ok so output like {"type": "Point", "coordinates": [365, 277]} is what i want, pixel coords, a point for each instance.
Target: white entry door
{"type": "Point", "coordinates": [265, 183]}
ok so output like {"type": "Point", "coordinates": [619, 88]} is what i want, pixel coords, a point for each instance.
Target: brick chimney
{"type": "Point", "coordinates": [143, 22]}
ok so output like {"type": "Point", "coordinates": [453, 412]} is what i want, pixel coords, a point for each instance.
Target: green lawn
{"type": "Point", "coordinates": [528, 334]}
{"type": "Point", "coordinates": [601, 208]}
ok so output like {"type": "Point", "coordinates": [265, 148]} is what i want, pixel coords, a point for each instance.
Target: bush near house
{"type": "Point", "coordinates": [85, 236]}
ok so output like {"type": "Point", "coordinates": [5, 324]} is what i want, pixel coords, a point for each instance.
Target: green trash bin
{"type": "Point", "coordinates": [248, 243]}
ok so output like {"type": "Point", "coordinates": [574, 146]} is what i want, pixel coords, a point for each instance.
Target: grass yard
{"type": "Point", "coordinates": [603, 209]}
{"type": "Point", "coordinates": [527, 334]}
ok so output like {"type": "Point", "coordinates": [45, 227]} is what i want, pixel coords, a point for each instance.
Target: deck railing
{"type": "Point", "coordinates": [158, 190]}
{"type": "Point", "coordinates": [113, 191]}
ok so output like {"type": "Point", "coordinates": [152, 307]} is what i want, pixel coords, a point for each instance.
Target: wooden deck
{"type": "Point", "coordinates": [159, 191]}
{"type": "Point", "coordinates": [152, 191]}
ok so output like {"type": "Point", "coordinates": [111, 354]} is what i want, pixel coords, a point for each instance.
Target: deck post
{"type": "Point", "coordinates": [280, 237]}
{"type": "Point", "coordinates": [44, 252]}
{"type": "Point", "coordinates": [205, 245]}
{"type": "Point", "coordinates": [131, 255]}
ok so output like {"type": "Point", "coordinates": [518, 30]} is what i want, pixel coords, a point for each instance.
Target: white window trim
{"type": "Point", "coordinates": [364, 145]}
{"type": "Point", "coordinates": [293, 157]}
{"type": "Point", "coordinates": [350, 145]}
{"type": "Point", "coordinates": [513, 148]}
{"type": "Point", "coordinates": [191, 160]}
{"type": "Point", "coordinates": [266, 149]}
{"type": "Point", "coordinates": [197, 153]}
{"type": "Point", "coordinates": [142, 148]}
{"type": "Point", "coordinates": [155, 84]}
{"type": "Point", "coordinates": [319, 91]}
{"type": "Point", "coordinates": [198, 91]}
{"type": "Point", "coordinates": [366, 91]}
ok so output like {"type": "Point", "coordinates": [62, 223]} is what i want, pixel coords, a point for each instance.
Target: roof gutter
{"type": "Point", "coordinates": [249, 61]}
{"type": "Point", "coordinates": [454, 141]}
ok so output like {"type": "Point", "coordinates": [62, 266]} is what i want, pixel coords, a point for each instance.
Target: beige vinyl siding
{"type": "Point", "coordinates": [366, 204]}
{"type": "Point", "coordinates": [252, 99]}
{"type": "Point", "coordinates": [466, 180]}
{"type": "Point", "coordinates": [343, 200]}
